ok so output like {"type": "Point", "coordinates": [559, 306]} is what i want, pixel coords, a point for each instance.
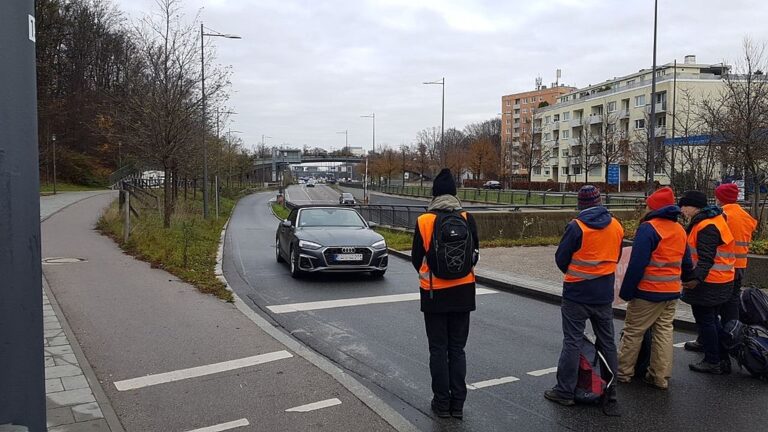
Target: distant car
{"type": "Point", "coordinates": [311, 183]}
{"type": "Point", "coordinates": [492, 184]}
{"type": "Point", "coordinates": [346, 199]}
{"type": "Point", "coordinates": [330, 239]}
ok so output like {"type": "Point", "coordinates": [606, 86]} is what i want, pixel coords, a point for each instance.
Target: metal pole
{"type": "Point", "coordinates": [374, 132]}
{"type": "Point", "coordinates": [216, 182]}
{"type": "Point", "coordinates": [53, 140]}
{"type": "Point", "coordinates": [442, 121]}
{"type": "Point", "coordinates": [127, 216]}
{"type": "Point", "coordinates": [651, 164]}
{"type": "Point", "coordinates": [205, 147]}
{"type": "Point", "coordinates": [674, 116]}
{"type": "Point", "coordinates": [22, 376]}
{"type": "Point", "coordinates": [365, 183]}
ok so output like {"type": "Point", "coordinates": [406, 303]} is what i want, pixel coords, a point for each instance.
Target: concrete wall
{"type": "Point", "coordinates": [514, 225]}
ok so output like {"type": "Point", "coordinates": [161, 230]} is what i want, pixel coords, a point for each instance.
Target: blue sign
{"type": "Point", "coordinates": [613, 174]}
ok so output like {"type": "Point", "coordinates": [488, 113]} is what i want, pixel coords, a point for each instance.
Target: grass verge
{"type": "Point", "coordinates": [403, 240]}
{"type": "Point", "coordinates": [187, 249]}
{"type": "Point", "coordinates": [280, 211]}
{"type": "Point", "coordinates": [396, 239]}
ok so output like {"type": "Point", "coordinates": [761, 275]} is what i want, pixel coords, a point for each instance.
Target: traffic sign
{"type": "Point", "coordinates": [613, 174]}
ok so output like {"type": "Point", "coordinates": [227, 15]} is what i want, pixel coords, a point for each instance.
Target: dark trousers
{"type": "Point", "coordinates": [575, 316]}
{"type": "Point", "coordinates": [708, 321]}
{"type": "Point", "coordinates": [447, 335]}
{"type": "Point", "coordinates": [727, 311]}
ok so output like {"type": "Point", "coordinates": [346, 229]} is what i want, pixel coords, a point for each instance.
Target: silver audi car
{"type": "Point", "coordinates": [330, 239]}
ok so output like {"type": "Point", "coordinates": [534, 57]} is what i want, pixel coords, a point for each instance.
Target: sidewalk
{"type": "Point", "coordinates": [70, 386]}
{"type": "Point", "coordinates": [170, 358]}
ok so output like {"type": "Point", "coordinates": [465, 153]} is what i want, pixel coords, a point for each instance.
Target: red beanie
{"type": "Point", "coordinates": [661, 198]}
{"type": "Point", "coordinates": [727, 193]}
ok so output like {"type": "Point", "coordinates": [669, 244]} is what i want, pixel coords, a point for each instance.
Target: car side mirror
{"type": "Point", "coordinates": [286, 223]}
{"type": "Point", "coordinates": [372, 224]}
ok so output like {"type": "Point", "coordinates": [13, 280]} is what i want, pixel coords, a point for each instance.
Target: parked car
{"type": "Point", "coordinates": [346, 199]}
{"type": "Point", "coordinates": [330, 239]}
{"type": "Point", "coordinates": [492, 184]}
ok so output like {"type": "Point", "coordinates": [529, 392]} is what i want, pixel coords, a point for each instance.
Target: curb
{"type": "Point", "coordinates": [619, 313]}
{"type": "Point", "coordinates": [376, 404]}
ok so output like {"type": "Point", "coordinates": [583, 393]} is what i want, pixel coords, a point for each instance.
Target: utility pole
{"type": "Point", "coordinates": [441, 82]}
{"type": "Point", "coordinates": [373, 117]}
{"type": "Point", "coordinates": [53, 142]}
{"type": "Point", "coordinates": [204, 122]}
{"type": "Point", "coordinates": [22, 376]}
{"type": "Point", "coordinates": [651, 163]}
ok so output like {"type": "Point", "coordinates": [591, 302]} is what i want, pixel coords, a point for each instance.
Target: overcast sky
{"type": "Point", "coordinates": [307, 69]}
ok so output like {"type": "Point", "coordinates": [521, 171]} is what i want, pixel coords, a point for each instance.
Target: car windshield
{"type": "Point", "coordinates": [330, 217]}
{"type": "Point", "coordinates": [346, 195]}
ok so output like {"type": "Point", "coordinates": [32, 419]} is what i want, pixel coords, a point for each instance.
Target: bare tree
{"type": "Point", "coordinates": [585, 153]}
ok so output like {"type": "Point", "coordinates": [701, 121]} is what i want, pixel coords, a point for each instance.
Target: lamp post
{"type": "Point", "coordinates": [53, 143]}
{"type": "Point", "coordinates": [346, 140]}
{"type": "Point", "coordinates": [203, 34]}
{"type": "Point", "coordinates": [651, 155]}
{"type": "Point", "coordinates": [373, 117]}
{"type": "Point", "coordinates": [440, 82]}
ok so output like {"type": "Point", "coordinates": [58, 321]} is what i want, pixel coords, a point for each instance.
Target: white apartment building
{"type": "Point", "coordinates": [586, 127]}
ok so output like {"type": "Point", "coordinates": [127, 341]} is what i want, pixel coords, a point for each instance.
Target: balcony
{"type": "Point", "coordinates": [660, 107]}
{"type": "Point", "coordinates": [623, 114]}
{"type": "Point", "coordinates": [516, 106]}
{"type": "Point", "coordinates": [537, 129]}
{"type": "Point", "coordinates": [575, 122]}
{"type": "Point", "coordinates": [595, 119]}
{"type": "Point", "coordinates": [516, 135]}
{"type": "Point", "coordinates": [575, 160]}
{"type": "Point", "coordinates": [516, 116]}
{"type": "Point", "coordinates": [555, 124]}
{"type": "Point", "coordinates": [660, 131]}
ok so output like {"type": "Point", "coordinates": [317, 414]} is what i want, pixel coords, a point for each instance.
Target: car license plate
{"type": "Point", "coordinates": [349, 257]}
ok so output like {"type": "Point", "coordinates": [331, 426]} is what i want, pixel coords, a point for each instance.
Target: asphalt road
{"type": "Point", "coordinates": [384, 345]}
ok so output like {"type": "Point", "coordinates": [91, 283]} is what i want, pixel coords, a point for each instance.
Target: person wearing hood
{"type": "Point", "coordinates": [709, 291]}
{"type": "Point", "coordinates": [652, 286]}
{"type": "Point", "coordinates": [446, 303]}
{"type": "Point", "coordinates": [588, 253]}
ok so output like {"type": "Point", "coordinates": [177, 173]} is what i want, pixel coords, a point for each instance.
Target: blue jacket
{"type": "Point", "coordinates": [646, 241]}
{"type": "Point", "coordinates": [596, 291]}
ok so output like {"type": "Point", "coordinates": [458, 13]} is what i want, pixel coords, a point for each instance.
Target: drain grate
{"type": "Point", "coordinates": [62, 260]}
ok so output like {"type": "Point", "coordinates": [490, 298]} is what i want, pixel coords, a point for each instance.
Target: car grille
{"type": "Point", "coordinates": [330, 254]}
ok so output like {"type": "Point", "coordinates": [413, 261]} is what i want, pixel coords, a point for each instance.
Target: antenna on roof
{"type": "Point", "coordinates": [538, 83]}
{"type": "Point", "coordinates": [558, 74]}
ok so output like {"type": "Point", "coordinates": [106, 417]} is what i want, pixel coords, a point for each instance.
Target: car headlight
{"type": "Point", "coordinates": [309, 245]}
{"type": "Point", "coordinates": [381, 244]}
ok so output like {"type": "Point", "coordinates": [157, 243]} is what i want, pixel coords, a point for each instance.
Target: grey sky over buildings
{"type": "Point", "coordinates": [307, 69]}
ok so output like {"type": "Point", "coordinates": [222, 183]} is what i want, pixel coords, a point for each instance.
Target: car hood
{"type": "Point", "coordinates": [339, 236]}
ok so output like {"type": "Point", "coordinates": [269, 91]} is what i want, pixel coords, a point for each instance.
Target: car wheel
{"type": "Point", "coordinates": [295, 270]}
{"type": "Point", "coordinates": [278, 255]}
{"type": "Point", "coordinates": [378, 274]}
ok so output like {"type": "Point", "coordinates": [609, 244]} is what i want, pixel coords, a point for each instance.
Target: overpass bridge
{"type": "Point", "coordinates": [267, 168]}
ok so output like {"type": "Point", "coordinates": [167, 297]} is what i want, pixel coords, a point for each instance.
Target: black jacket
{"type": "Point", "coordinates": [707, 242]}
{"type": "Point", "coordinates": [460, 298]}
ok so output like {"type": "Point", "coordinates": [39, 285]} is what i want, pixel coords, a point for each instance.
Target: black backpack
{"type": "Point", "coordinates": [752, 353]}
{"type": "Point", "coordinates": [753, 307]}
{"type": "Point", "coordinates": [451, 249]}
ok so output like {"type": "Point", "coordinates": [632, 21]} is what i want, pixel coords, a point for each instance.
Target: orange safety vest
{"type": "Point", "coordinates": [428, 281]}
{"type": "Point", "coordinates": [722, 270]}
{"type": "Point", "coordinates": [742, 226]}
{"type": "Point", "coordinates": [599, 252]}
{"type": "Point", "coordinates": [662, 275]}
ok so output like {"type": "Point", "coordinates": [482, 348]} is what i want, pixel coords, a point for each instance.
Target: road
{"type": "Point", "coordinates": [511, 336]}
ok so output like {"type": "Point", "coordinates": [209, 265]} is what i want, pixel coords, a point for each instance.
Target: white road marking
{"type": "Point", "coordinates": [492, 382]}
{"type": "Point", "coordinates": [542, 372]}
{"type": "Point", "coordinates": [359, 301]}
{"type": "Point", "coordinates": [315, 406]}
{"type": "Point", "coordinates": [223, 426]}
{"type": "Point", "coordinates": [182, 374]}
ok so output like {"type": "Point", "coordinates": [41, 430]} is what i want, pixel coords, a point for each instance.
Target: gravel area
{"type": "Point", "coordinates": [534, 262]}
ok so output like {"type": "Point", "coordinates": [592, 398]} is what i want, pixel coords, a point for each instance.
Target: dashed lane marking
{"type": "Point", "coordinates": [492, 382]}
{"type": "Point", "coordinates": [182, 374]}
{"type": "Point", "coordinates": [223, 426]}
{"type": "Point", "coordinates": [541, 372]}
{"type": "Point", "coordinates": [315, 406]}
{"type": "Point", "coordinates": [359, 301]}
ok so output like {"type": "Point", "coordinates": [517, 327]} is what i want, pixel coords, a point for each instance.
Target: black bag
{"type": "Point", "coordinates": [753, 307]}
{"type": "Point", "coordinates": [451, 250]}
{"type": "Point", "coordinates": [752, 354]}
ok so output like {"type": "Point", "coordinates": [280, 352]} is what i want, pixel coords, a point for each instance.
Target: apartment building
{"type": "Point", "coordinates": [586, 127]}
{"type": "Point", "coordinates": [517, 111]}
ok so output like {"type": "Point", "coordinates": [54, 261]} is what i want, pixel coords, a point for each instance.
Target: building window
{"type": "Point", "coordinates": [611, 106]}
{"type": "Point", "coordinates": [547, 136]}
{"type": "Point", "coordinates": [547, 119]}
{"type": "Point", "coordinates": [555, 153]}
{"type": "Point", "coordinates": [537, 170]}
{"type": "Point", "coordinates": [546, 172]}
{"type": "Point", "coordinates": [661, 121]}
{"type": "Point", "coordinates": [564, 170]}
{"type": "Point", "coordinates": [630, 82]}
{"type": "Point", "coordinates": [517, 111]}
{"type": "Point", "coordinates": [556, 118]}
{"type": "Point", "coordinates": [517, 101]}
{"type": "Point", "coordinates": [566, 116]}
{"type": "Point", "coordinates": [640, 124]}
{"type": "Point", "coordinates": [640, 101]}
{"type": "Point", "coordinates": [525, 110]}
{"type": "Point", "coordinates": [565, 134]}
{"type": "Point", "coordinates": [576, 170]}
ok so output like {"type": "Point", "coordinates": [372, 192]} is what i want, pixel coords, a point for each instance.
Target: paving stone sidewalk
{"type": "Point", "coordinates": [71, 402]}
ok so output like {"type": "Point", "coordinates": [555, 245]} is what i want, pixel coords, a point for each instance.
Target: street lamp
{"type": "Point", "coordinates": [53, 143]}
{"type": "Point", "coordinates": [346, 140]}
{"type": "Point", "coordinates": [373, 117]}
{"type": "Point", "coordinates": [651, 155]}
{"type": "Point", "coordinates": [203, 34]}
{"type": "Point", "coordinates": [441, 82]}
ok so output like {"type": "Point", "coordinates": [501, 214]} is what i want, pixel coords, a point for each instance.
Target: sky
{"type": "Point", "coordinates": [306, 70]}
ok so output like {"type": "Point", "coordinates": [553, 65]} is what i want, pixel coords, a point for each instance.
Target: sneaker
{"type": "Point", "coordinates": [554, 397]}
{"type": "Point", "coordinates": [725, 366]}
{"type": "Point", "coordinates": [694, 346]}
{"type": "Point", "coordinates": [439, 410]}
{"type": "Point", "coordinates": [651, 382]}
{"type": "Point", "coordinates": [457, 410]}
{"type": "Point", "coordinates": [704, 367]}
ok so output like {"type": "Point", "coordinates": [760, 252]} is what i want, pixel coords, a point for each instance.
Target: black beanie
{"type": "Point", "coordinates": [693, 198]}
{"type": "Point", "coordinates": [444, 184]}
